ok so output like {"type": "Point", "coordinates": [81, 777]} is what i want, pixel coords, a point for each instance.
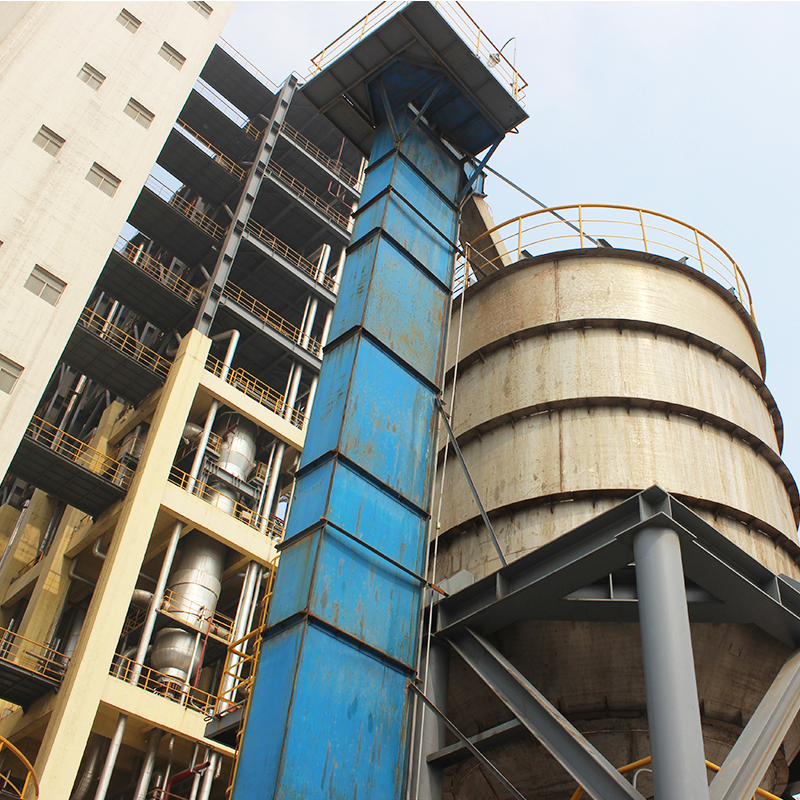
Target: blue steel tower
{"type": "Point", "coordinates": [329, 712]}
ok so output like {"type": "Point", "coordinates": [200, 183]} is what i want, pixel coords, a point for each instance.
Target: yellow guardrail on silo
{"type": "Point", "coordinates": [600, 225]}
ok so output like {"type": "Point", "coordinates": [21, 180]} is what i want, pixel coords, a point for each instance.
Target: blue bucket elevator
{"type": "Point", "coordinates": [329, 715]}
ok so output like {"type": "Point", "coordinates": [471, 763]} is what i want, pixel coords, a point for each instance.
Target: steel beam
{"type": "Point", "coordinates": [750, 757]}
{"type": "Point", "coordinates": [564, 742]}
{"type": "Point", "coordinates": [673, 711]}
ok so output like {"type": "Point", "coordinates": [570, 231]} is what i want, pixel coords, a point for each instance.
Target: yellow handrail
{"type": "Point", "coordinates": [239, 511]}
{"type": "Point", "coordinates": [331, 163]}
{"type": "Point", "coordinates": [643, 762]}
{"type": "Point", "coordinates": [216, 154]}
{"type": "Point", "coordinates": [257, 390]}
{"type": "Point", "coordinates": [155, 269]}
{"type": "Point", "coordinates": [29, 776]}
{"type": "Point", "coordinates": [79, 452]}
{"type": "Point", "coordinates": [292, 256]}
{"type": "Point", "coordinates": [31, 655]}
{"type": "Point", "coordinates": [628, 227]}
{"type": "Point", "coordinates": [303, 191]}
{"type": "Point", "coordinates": [275, 321]}
{"type": "Point", "coordinates": [124, 342]}
{"type": "Point", "coordinates": [184, 207]}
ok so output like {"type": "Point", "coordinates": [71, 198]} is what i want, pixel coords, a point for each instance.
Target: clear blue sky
{"type": "Point", "coordinates": [690, 109]}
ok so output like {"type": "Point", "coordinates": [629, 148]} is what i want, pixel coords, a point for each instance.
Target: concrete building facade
{"type": "Point", "coordinates": [159, 382]}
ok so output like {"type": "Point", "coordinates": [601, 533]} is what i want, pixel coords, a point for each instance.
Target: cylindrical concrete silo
{"type": "Point", "coordinates": [584, 377]}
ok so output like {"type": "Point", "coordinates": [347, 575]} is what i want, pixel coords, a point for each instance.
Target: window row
{"type": "Point", "coordinates": [98, 176]}
{"type": "Point", "coordinates": [167, 52]}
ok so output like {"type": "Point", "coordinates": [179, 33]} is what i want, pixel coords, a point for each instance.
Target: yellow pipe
{"type": "Point", "coordinates": [643, 762]}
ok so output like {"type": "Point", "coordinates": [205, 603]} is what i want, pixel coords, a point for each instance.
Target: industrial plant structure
{"type": "Point", "coordinates": [541, 539]}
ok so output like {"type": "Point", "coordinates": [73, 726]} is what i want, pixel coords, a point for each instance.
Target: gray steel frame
{"type": "Point", "coordinates": [563, 580]}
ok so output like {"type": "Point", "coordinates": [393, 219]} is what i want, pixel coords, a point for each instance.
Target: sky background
{"type": "Point", "coordinates": [691, 109]}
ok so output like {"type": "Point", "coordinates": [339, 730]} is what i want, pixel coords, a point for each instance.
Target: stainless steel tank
{"type": "Point", "coordinates": [194, 588]}
{"type": "Point", "coordinates": [583, 377]}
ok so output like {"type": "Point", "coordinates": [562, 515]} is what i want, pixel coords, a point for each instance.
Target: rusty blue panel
{"type": "Point", "coordinates": [333, 490]}
{"type": "Point", "coordinates": [383, 420]}
{"type": "Point", "coordinates": [271, 699]}
{"type": "Point", "coordinates": [378, 273]}
{"type": "Point", "coordinates": [411, 232]}
{"type": "Point", "coordinates": [355, 753]}
{"type": "Point", "coordinates": [411, 185]}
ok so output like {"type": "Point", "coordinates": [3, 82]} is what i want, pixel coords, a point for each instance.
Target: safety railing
{"type": "Point", "coordinates": [600, 225]}
{"type": "Point", "coordinates": [257, 390]}
{"type": "Point", "coordinates": [33, 656]}
{"type": "Point", "coordinates": [184, 207]}
{"type": "Point", "coordinates": [213, 152]}
{"type": "Point", "coordinates": [642, 763]}
{"type": "Point", "coordinates": [155, 269]}
{"type": "Point", "coordinates": [230, 111]}
{"type": "Point", "coordinates": [275, 321]}
{"type": "Point", "coordinates": [292, 256]}
{"type": "Point", "coordinates": [124, 342]}
{"type": "Point", "coordinates": [466, 27]}
{"type": "Point", "coordinates": [248, 65]}
{"type": "Point", "coordinates": [226, 504]}
{"type": "Point", "coordinates": [165, 685]}
{"type": "Point", "coordinates": [31, 564]}
{"type": "Point", "coordinates": [213, 446]}
{"type": "Point", "coordinates": [136, 617]}
{"type": "Point", "coordinates": [332, 164]}
{"type": "Point", "coordinates": [303, 191]}
{"type": "Point", "coordinates": [240, 665]}
{"type": "Point", "coordinates": [178, 607]}
{"type": "Point", "coordinates": [17, 778]}
{"type": "Point", "coordinates": [79, 452]}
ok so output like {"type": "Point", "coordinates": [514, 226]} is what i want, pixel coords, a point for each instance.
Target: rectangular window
{"type": "Point", "coordinates": [49, 142]}
{"type": "Point", "coordinates": [45, 285]}
{"type": "Point", "coordinates": [128, 21]}
{"type": "Point", "coordinates": [91, 77]}
{"type": "Point", "coordinates": [138, 112]}
{"type": "Point", "coordinates": [201, 8]}
{"type": "Point", "coordinates": [9, 373]}
{"type": "Point", "coordinates": [103, 179]}
{"type": "Point", "coordinates": [171, 55]}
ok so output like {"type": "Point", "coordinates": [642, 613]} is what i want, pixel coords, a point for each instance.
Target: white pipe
{"type": "Point", "coordinates": [15, 533]}
{"type": "Point", "coordinates": [149, 762]}
{"type": "Point", "coordinates": [239, 628]}
{"type": "Point", "coordinates": [208, 777]}
{"type": "Point", "coordinates": [111, 758]}
{"type": "Point", "coordinates": [274, 474]}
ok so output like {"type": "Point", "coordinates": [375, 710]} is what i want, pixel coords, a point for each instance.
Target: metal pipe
{"type": "Point", "coordinates": [673, 711]}
{"type": "Point", "coordinates": [111, 758]}
{"type": "Point", "coordinates": [269, 495]}
{"type": "Point", "coordinates": [91, 759]}
{"type": "Point", "coordinates": [15, 533]}
{"type": "Point", "coordinates": [208, 777]}
{"type": "Point", "coordinates": [149, 762]}
{"type": "Point", "coordinates": [197, 775]}
{"type": "Point", "coordinates": [239, 628]}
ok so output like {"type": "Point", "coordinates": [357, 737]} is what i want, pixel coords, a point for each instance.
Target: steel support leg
{"type": "Point", "coordinates": [427, 785]}
{"type": "Point", "coordinates": [755, 748]}
{"type": "Point", "coordinates": [673, 712]}
{"type": "Point", "coordinates": [564, 742]}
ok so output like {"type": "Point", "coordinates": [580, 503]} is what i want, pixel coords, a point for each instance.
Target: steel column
{"type": "Point", "coordinates": [749, 759]}
{"type": "Point", "coordinates": [673, 711]}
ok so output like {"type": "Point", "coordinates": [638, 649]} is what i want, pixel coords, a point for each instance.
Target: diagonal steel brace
{"type": "Point", "coordinates": [750, 757]}
{"type": "Point", "coordinates": [564, 742]}
{"type": "Point", "coordinates": [468, 744]}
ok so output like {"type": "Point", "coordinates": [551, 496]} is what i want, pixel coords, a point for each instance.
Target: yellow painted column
{"type": "Point", "coordinates": [77, 701]}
